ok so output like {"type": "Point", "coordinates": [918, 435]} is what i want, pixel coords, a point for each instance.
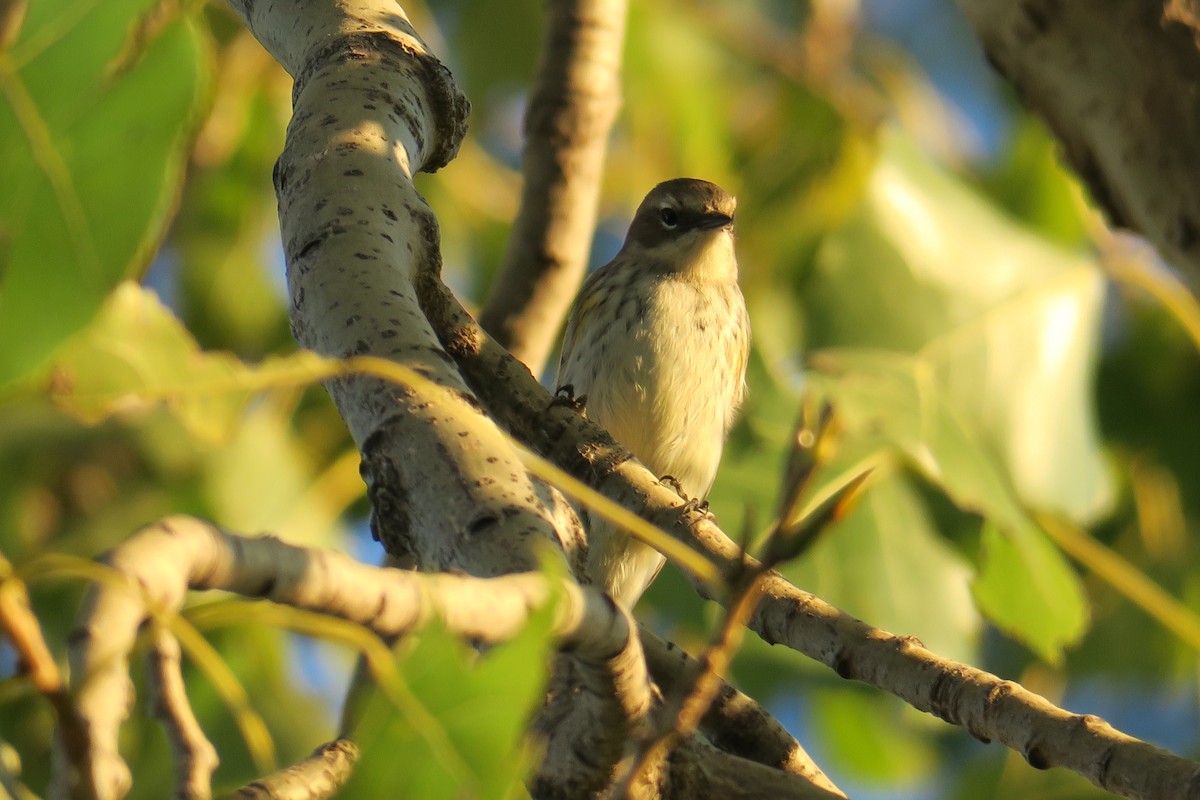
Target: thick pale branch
{"type": "Point", "coordinates": [161, 563]}
{"type": "Point", "coordinates": [316, 777]}
{"type": "Point", "coordinates": [571, 111]}
{"type": "Point", "coordinates": [372, 108]}
{"type": "Point", "coordinates": [1117, 85]}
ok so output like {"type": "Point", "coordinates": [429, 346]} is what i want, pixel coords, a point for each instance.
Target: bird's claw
{"type": "Point", "coordinates": [565, 396]}
{"type": "Point", "coordinates": [691, 504]}
{"type": "Point", "coordinates": [672, 482]}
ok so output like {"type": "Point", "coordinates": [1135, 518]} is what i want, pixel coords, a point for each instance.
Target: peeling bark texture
{"type": "Point", "coordinates": [371, 107]}
{"type": "Point", "coordinates": [571, 110]}
{"type": "Point", "coordinates": [1119, 84]}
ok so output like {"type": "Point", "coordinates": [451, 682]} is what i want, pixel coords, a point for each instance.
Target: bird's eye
{"type": "Point", "coordinates": [669, 218]}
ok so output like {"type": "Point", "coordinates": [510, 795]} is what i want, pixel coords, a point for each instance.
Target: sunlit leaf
{"type": "Point", "coordinates": [886, 563]}
{"type": "Point", "coordinates": [895, 398]}
{"type": "Point", "coordinates": [136, 353]}
{"type": "Point", "coordinates": [92, 153]}
{"type": "Point", "coordinates": [457, 727]}
{"type": "Point", "coordinates": [1006, 322]}
{"type": "Point", "coordinates": [870, 737]}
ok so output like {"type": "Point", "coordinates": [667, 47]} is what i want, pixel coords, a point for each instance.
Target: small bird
{"type": "Point", "coordinates": [657, 342]}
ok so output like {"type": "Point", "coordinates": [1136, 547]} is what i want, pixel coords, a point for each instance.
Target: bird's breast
{"type": "Point", "coordinates": [665, 384]}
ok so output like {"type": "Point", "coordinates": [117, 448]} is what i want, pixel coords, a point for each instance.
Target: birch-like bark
{"type": "Point", "coordinates": [155, 569]}
{"type": "Point", "coordinates": [317, 777]}
{"type": "Point", "coordinates": [571, 110]}
{"type": "Point", "coordinates": [990, 708]}
{"type": "Point", "coordinates": [372, 107]}
{"type": "Point", "coordinates": [1117, 84]}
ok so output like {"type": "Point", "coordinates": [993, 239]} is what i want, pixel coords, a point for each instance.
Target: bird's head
{"type": "Point", "coordinates": [686, 225]}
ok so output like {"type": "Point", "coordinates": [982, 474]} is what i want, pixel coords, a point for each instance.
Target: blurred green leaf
{"type": "Point", "coordinates": [1003, 321]}
{"type": "Point", "coordinates": [1029, 591]}
{"type": "Point", "coordinates": [92, 159]}
{"type": "Point", "coordinates": [872, 737]}
{"type": "Point", "coordinates": [886, 563]}
{"type": "Point", "coordinates": [895, 398]}
{"type": "Point", "coordinates": [461, 731]}
{"type": "Point", "coordinates": [136, 353]}
{"type": "Point", "coordinates": [1032, 185]}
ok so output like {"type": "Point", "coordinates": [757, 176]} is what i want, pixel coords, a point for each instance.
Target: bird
{"type": "Point", "coordinates": [657, 342]}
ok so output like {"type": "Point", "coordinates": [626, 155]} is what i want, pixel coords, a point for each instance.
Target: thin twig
{"type": "Point", "coordinates": [195, 757]}
{"type": "Point", "coordinates": [25, 633]}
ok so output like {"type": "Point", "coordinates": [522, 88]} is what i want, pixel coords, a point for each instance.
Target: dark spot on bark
{"type": "Point", "coordinates": [310, 247]}
{"type": "Point", "coordinates": [482, 523]}
{"type": "Point", "coordinates": [389, 334]}
{"type": "Point", "coordinates": [1036, 758]}
{"type": "Point", "coordinates": [387, 212]}
{"type": "Point", "coordinates": [353, 173]}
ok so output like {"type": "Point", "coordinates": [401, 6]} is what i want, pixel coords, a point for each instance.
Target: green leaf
{"type": "Point", "coordinates": [886, 563]}
{"type": "Point", "coordinates": [872, 737]}
{"type": "Point", "coordinates": [897, 399]}
{"type": "Point", "coordinates": [1006, 323]}
{"type": "Point", "coordinates": [1028, 590]}
{"type": "Point", "coordinates": [136, 354]}
{"type": "Point", "coordinates": [456, 726]}
{"type": "Point", "coordinates": [94, 126]}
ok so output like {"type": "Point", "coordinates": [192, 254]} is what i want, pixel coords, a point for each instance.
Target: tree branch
{"type": "Point", "coordinates": [1118, 88]}
{"type": "Point", "coordinates": [157, 567]}
{"type": "Point", "coordinates": [24, 633]}
{"type": "Point", "coordinates": [316, 777]}
{"type": "Point", "coordinates": [734, 722]}
{"type": "Point", "coordinates": [699, 770]}
{"type": "Point", "coordinates": [988, 707]}
{"type": "Point", "coordinates": [571, 110]}
{"type": "Point", "coordinates": [373, 107]}
{"type": "Point", "coordinates": [195, 757]}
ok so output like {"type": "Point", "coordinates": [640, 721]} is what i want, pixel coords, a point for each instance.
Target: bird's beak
{"type": "Point", "coordinates": [713, 221]}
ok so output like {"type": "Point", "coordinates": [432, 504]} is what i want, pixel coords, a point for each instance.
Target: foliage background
{"type": "Point", "coordinates": [911, 251]}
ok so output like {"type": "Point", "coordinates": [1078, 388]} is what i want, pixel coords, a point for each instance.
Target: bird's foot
{"type": "Point", "coordinates": [565, 396]}
{"type": "Point", "coordinates": [698, 506]}
{"type": "Point", "coordinates": [673, 483]}
{"type": "Point", "coordinates": [691, 504]}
